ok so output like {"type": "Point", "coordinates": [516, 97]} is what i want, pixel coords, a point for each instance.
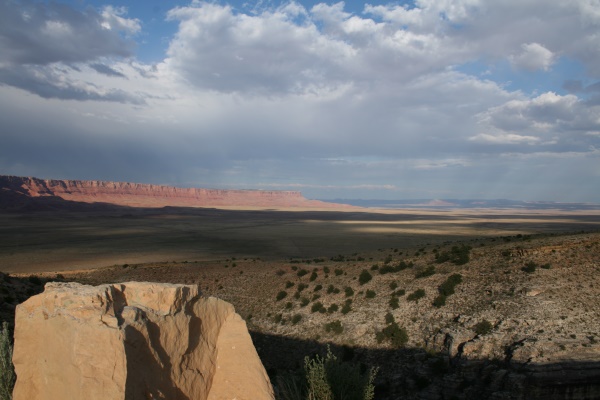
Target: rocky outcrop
{"type": "Point", "coordinates": [133, 341]}
{"type": "Point", "coordinates": [145, 195]}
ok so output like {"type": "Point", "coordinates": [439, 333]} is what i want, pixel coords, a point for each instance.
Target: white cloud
{"type": "Point", "coordinates": [533, 57]}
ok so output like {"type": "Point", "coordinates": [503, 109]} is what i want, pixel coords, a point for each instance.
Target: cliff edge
{"type": "Point", "coordinates": [15, 191]}
{"type": "Point", "coordinates": [133, 341]}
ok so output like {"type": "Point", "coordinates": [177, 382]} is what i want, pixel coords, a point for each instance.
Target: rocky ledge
{"type": "Point", "coordinates": [133, 341]}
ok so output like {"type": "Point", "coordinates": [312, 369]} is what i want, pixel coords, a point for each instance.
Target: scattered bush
{"type": "Point", "coordinates": [316, 297]}
{"type": "Point", "coordinates": [393, 285]}
{"type": "Point", "coordinates": [426, 272]}
{"type": "Point", "coordinates": [326, 269]}
{"type": "Point", "coordinates": [289, 305]}
{"type": "Point", "coordinates": [301, 287]}
{"type": "Point", "coordinates": [349, 291]}
{"type": "Point", "coordinates": [313, 276]}
{"type": "Point", "coordinates": [447, 287]}
{"type": "Point", "coordinates": [393, 333]}
{"type": "Point", "coordinates": [302, 272]}
{"type": "Point", "coordinates": [389, 318]}
{"type": "Point", "coordinates": [334, 326]}
{"type": "Point", "coordinates": [439, 301]}
{"type": "Point", "coordinates": [545, 266]}
{"type": "Point", "coordinates": [370, 294]}
{"type": "Point", "coordinates": [399, 293]}
{"type": "Point", "coordinates": [339, 272]}
{"type": "Point", "coordinates": [332, 308]}
{"type": "Point", "coordinates": [364, 277]}
{"type": "Point", "coordinates": [318, 307]}
{"type": "Point", "coordinates": [296, 318]}
{"type": "Point", "coordinates": [281, 295]}
{"type": "Point", "coordinates": [317, 288]}
{"type": "Point", "coordinates": [483, 328]}
{"type": "Point", "coordinates": [394, 303]}
{"type": "Point", "coordinates": [304, 302]}
{"type": "Point", "coordinates": [374, 267]}
{"type": "Point", "coordinates": [289, 284]}
{"type": "Point", "coordinates": [457, 255]}
{"type": "Point", "coordinates": [347, 307]}
{"type": "Point", "coordinates": [529, 267]}
{"type": "Point", "coordinates": [416, 295]}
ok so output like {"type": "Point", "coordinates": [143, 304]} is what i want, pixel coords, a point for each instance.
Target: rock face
{"type": "Point", "coordinates": [143, 195]}
{"type": "Point", "coordinates": [133, 341]}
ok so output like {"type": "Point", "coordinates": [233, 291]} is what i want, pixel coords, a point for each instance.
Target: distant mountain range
{"type": "Point", "coordinates": [467, 204]}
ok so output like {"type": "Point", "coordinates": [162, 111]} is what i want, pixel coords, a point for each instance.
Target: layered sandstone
{"type": "Point", "coordinates": [133, 341]}
{"type": "Point", "coordinates": [146, 195]}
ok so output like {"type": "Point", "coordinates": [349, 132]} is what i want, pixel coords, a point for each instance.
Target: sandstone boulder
{"type": "Point", "coordinates": [133, 341]}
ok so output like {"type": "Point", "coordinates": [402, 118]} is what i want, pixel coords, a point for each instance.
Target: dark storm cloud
{"type": "Point", "coordinates": [43, 82]}
{"type": "Point", "coordinates": [106, 70]}
{"type": "Point", "coordinates": [39, 33]}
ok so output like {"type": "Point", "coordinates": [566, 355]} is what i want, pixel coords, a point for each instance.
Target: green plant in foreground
{"type": "Point", "coordinates": [483, 328]}
{"type": "Point", "coordinates": [364, 277]}
{"type": "Point", "coordinates": [7, 371]}
{"type": "Point", "coordinates": [330, 379]}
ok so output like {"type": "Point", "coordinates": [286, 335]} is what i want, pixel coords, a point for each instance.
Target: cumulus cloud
{"type": "Point", "coordinates": [533, 56]}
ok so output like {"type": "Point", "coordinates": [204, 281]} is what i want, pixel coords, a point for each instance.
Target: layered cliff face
{"type": "Point", "coordinates": [133, 341]}
{"type": "Point", "coordinates": [145, 195]}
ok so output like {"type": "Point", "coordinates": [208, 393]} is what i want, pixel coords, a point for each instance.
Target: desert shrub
{"type": "Point", "coordinates": [277, 319]}
{"type": "Point", "coordinates": [289, 284]}
{"type": "Point", "coordinates": [370, 294]}
{"type": "Point", "coordinates": [389, 318]}
{"type": "Point", "coordinates": [281, 295]}
{"type": "Point", "coordinates": [279, 272]}
{"type": "Point", "coordinates": [447, 287]}
{"type": "Point", "coordinates": [458, 255]}
{"type": "Point", "coordinates": [296, 318]}
{"type": "Point", "coordinates": [347, 307]}
{"type": "Point", "coordinates": [339, 271]}
{"type": "Point", "coordinates": [399, 293]}
{"type": "Point", "coordinates": [374, 267]}
{"type": "Point", "coordinates": [483, 328]}
{"type": "Point", "coordinates": [7, 371]}
{"type": "Point", "coordinates": [316, 297]}
{"type": "Point", "coordinates": [394, 303]}
{"type": "Point", "coordinates": [545, 266]}
{"type": "Point", "coordinates": [329, 379]}
{"type": "Point", "coordinates": [301, 287]}
{"type": "Point", "coordinates": [334, 326]}
{"type": "Point", "coordinates": [297, 295]}
{"type": "Point", "coordinates": [393, 333]}
{"type": "Point", "coordinates": [529, 267]}
{"type": "Point", "coordinates": [313, 276]}
{"type": "Point", "coordinates": [289, 305]}
{"type": "Point", "coordinates": [332, 308]}
{"type": "Point", "coordinates": [304, 302]}
{"type": "Point", "coordinates": [393, 285]}
{"type": "Point", "coordinates": [318, 307]}
{"type": "Point", "coordinates": [317, 288]}
{"type": "Point", "coordinates": [302, 272]}
{"type": "Point", "coordinates": [349, 291]}
{"type": "Point", "coordinates": [416, 295]}
{"type": "Point", "coordinates": [330, 289]}
{"type": "Point", "coordinates": [439, 301]}
{"type": "Point", "coordinates": [364, 277]}
{"type": "Point", "coordinates": [426, 272]}
{"type": "Point", "coordinates": [326, 269]}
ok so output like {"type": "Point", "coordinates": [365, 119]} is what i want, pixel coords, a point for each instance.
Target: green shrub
{"type": "Point", "coordinates": [349, 291]}
{"type": "Point", "coordinates": [545, 266]}
{"type": "Point", "coordinates": [394, 303]}
{"type": "Point", "coordinates": [318, 307]}
{"type": "Point", "coordinates": [302, 272]}
{"type": "Point", "coordinates": [426, 272]}
{"type": "Point", "coordinates": [393, 285]}
{"type": "Point", "coordinates": [483, 328]}
{"type": "Point", "coordinates": [334, 326]}
{"type": "Point", "coordinates": [399, 293]}
{"type": "Point", "coordinates": [439, 301]}
{"type": "Point", "coordinates": [389, 318]}
{"type": "Point", "coordinates": [326, 270]}
{"type": "Point", "coordinates": [289, 284]}
{"type": "Point", "coordinates": [281, 295]}
{"type": "Point", "coordinates": [296, 318]}
{"type": "Point", "coordinates": [457, 255]}
{"type": "Point", "coordinates": [393, 333]}
{"type": "Point", "coordinates": [313, 276]}
{"type": "Point", "coordinates": [364, 277]}
{"type": "Point", "coordinates": [7, 371]}
{"type": "Point", "coordinates": [332, 308]}
{"type": "Point", "coordinates": [304, 302]}
{"type": "Point", "coordinates": [316, 297]}
{"type": "Point", "coordinates": [374, 267]}
{"type": "Point", "coordinates": [339, 272]}
{"type": "Point", "coordinates": [370, 294]}
{"type": "Point", "coordinates": [289, 305]}
{"type": "Point", "coordinates": [301, 287]}
{"type": "Point", "coordinates": [416, 295]}
{"type": "Point", "coordinates": [447, 287]}
{"type": "Point", "coordinates": [347, 307]}
{"type": "Point", "coordinates": [317, 288]}
{"type": "Point", "coordinates": [329, 379]}
{"type": "Point", "coordinates": [529, 267]}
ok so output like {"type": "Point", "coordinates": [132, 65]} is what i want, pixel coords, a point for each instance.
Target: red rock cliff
{"type": "Point", "coordinates": [145, 195]}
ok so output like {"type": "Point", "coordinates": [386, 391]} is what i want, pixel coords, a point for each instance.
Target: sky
{"type": "Point", "coordinates": [448, 99]}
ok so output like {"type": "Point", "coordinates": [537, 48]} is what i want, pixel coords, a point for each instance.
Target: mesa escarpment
{"type": "Point", "coordinates": [15, 190]}
{"type": "Point", "coordinates": [133, 341]}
